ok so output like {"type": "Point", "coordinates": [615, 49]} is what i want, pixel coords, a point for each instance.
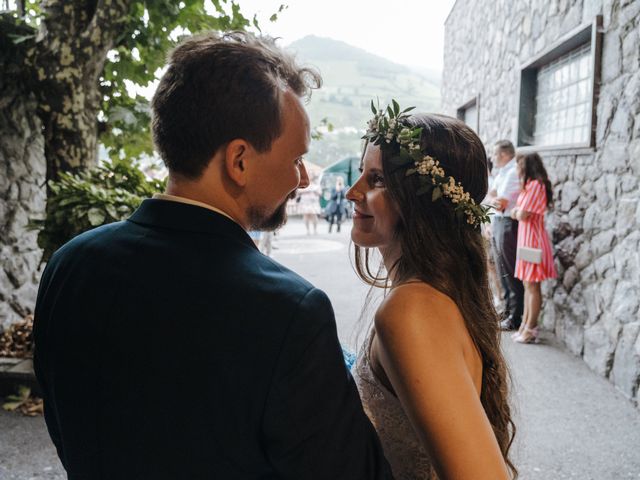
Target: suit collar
{"type": "Point", "coordinates": [188, 218]}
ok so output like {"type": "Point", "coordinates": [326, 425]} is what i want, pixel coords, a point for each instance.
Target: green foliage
{"type": "Point", "coordinates": [317, 131]}
{"type": "Point", "coordinates": [81, 201]}
{"type": "Point", "coordinates": [13, 402]}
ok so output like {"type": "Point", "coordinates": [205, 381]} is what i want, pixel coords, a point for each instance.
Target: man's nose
{"type": "Point", "coordinates": [304, 176]}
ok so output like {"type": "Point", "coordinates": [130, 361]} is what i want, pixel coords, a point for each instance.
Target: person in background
{"type": "Point", "coordinates": [503, 196]}
{"type": "Point", "coordinates": [309, 200]}
{"type": "Point", "coordinates": [534, 200]}
{"type": "Point", "coordinates": [495, 280]}
{"type": "Point", "coordinates": [336, 208]}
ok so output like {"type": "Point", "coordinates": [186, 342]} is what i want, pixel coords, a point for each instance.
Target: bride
{"type": "Point", "coordinates": [431, 375]}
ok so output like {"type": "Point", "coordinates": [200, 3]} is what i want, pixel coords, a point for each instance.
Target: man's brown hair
{"type": "Point", "coordinates": [219, 87]}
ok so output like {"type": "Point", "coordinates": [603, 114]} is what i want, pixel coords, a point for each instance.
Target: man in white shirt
{"type": "Point", "coordinates": [503, 197]}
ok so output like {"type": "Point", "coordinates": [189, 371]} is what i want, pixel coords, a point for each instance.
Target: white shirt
{"type": "Point", "coordinates": [507, 185]}
{"type": "Point", "coordinates": [188, 201]}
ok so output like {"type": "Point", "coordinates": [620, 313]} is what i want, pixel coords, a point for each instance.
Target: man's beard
{"type": "Point", "coordinates": [260, 220]}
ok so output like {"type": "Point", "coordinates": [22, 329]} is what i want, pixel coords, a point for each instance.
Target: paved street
{"type": "Point", "coordinates": [571, 423]}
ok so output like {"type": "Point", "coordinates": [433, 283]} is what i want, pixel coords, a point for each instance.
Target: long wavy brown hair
{"type": "Point", "coordinates": [532, 168]}
{"type": "Point", "coordinates": [449, 254]}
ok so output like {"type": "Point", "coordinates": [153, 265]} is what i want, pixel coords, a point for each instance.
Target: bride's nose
{"type": "Point", "coordinates": [354, 194]}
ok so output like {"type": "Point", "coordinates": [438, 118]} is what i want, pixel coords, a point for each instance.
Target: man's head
{"type": "Point", "coordinates": [503, 152]}
{"type": "Point", "coordinates": [233, 101]}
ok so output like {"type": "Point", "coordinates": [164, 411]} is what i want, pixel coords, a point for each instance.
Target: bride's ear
{"type": "Point", "coordinates": [236, 160]}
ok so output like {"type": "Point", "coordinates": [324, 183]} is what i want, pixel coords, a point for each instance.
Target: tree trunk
{"type": "Point", "coordinates": [62, 65]}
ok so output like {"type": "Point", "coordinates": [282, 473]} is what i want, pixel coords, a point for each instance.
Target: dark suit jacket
{"type": "Point", "coordinates": [168, 347]}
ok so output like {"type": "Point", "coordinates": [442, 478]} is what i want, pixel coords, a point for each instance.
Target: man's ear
{"type": "Point", "coordinates": [236, 160]}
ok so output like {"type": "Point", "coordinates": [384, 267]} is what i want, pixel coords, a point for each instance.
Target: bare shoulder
{"type": "Point", "coordinates": [418, 308]}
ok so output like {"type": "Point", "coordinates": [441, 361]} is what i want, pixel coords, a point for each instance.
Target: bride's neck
{"type": "Point", "coordinates": [390, 257]}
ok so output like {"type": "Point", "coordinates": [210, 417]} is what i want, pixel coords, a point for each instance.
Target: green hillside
{"type": "Point", "coordinates": [351, 78]}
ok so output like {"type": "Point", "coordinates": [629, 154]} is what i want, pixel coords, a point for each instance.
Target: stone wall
{"type": "Point", "coordinates": [593, 307]}
{"type": "Point", "coordinates": [22, 197]}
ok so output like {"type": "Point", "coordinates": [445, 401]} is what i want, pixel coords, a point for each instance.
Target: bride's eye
{"type": "Point", "coordinates": [377, 180]}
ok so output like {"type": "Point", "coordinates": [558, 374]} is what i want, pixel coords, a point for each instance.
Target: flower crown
{"type": "Point", "coordinates": [386, 128]}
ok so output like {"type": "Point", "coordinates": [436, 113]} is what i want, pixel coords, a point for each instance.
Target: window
{"type": "Point", "coordinates": [557, 92]}
{"type": "Point", "coordinates": [470, 114]}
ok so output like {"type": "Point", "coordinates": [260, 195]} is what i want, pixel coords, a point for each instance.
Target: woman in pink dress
{"type": "Point", "coordinates": [534, 200]}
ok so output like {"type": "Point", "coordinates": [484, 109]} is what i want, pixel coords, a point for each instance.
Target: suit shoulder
{"type": "Point", "coordinates": [86, 243]}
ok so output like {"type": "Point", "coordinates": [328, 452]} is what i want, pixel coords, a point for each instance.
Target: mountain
{"type": "Point", "coordinates": [352, 77]}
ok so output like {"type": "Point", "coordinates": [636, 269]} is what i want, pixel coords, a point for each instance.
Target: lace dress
{"type": "Point", "coordinates": [405, 453]}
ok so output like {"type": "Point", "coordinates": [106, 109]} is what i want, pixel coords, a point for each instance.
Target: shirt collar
{"type": "Point", "coordinates": [189, 201]}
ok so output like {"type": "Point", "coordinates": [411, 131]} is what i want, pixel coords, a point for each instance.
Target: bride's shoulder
{"type": "Point", "coordinates": [417, 307]}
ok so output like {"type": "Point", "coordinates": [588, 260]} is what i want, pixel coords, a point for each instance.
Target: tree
{"type": "Point", "coordinates": [78, 56]}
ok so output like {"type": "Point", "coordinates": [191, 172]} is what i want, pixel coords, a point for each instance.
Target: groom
{"type": "Point", "coordinates": [167, 346]}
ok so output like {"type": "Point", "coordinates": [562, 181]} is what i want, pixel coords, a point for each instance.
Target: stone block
{"type": "Point", "coordinates": [615, 153]}
{"type": "Point", "coordinates": [591, 304]}
{"type": "Point", "coordinates": [626, 216]}
{"type": "Point", "coordinates": [632, 88]}
{"type": "Point", "coordinates": [572, 18]}
{"type": "Point", "coordinates": [629, 184]}
{"type": "Point", "coordinates": [626, 301]}
{"type": "Point", "coordinates": [629, 12]}
{"type": "Point", "coordinates": [604, 264]}
{"type": "Point", "coordinates": [603, 242]}
{"type": "Point", "coordinates": [576, 306]}
{"type": "Point", "coordinates": [611, 56]}
{"type": "Point", "coordinates": [584, 256]}
{"type": "Point", "coordinates": [565, 251]}
{"type": "Point", "coordinates": [23, 300]}
{"type": "Point", "coordinates": [8, 315]}
{"type": "Point", "coordinates": [590, 8]}
{"type": "Point", "coordinates": [603, 198]}
{"type": "Point", "coordinates": [582, 175]}
{"type": "Point", "coordinates": [634, 151]}
{"type": "Point", "coordinates": [595, 219]}
{"type": "Point", "coordinates": [570, 194]}
{"type": "Point", "coordinates": [625, 373]}
{"type": "Point", "coordinates": [599, 348]}
{"type": "Point", "coordinates": [627, 260]}
{"type": "Point", "coordinates": [6, 286]}
{"type": "Point", "coordinates": [547, 320]}
{"type": "Point", "coordinates": [572, 335]}
{"type": "Point", "coordinates": [570, 278]}
{"type": "Point", "coordinates": [620, 127]}
{"type": "Point", "coordinates": [605, 292]}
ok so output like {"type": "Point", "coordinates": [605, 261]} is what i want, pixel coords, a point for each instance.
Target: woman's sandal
{"type": "Point", "coordinates": [529, 335]}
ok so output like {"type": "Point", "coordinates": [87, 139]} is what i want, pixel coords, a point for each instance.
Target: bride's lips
{"type": "Point", "coordinates": [360, 216]}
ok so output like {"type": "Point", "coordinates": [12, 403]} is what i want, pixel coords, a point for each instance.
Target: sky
{"type": "Point", "coordinates": [409, 32]}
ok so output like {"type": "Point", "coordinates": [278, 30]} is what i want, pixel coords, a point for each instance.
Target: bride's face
{"type": "Point", "coordinates": [374, 218]}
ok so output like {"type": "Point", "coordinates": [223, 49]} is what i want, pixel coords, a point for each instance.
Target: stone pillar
{"type": "Point", "coordinates": [22, 197]}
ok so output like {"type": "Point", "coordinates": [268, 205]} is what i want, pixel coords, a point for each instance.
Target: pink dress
{"type": "Point", "coordinates": [531, 233]}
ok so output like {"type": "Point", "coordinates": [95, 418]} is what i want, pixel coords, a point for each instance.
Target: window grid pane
{"type": "Point", "coordinates": [563, 99]}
